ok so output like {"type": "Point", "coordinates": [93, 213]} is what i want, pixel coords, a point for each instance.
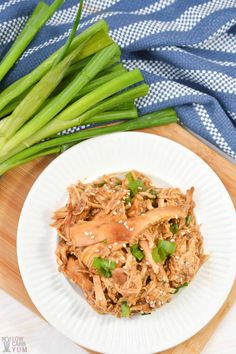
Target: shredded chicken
{"type": "Point", "coordinates": [128, 243]}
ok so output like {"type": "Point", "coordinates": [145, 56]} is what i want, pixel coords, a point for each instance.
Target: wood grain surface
{"type": "Point", "coordinates": [15, 185]}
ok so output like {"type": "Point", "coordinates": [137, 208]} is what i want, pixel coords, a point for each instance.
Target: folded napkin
{"type": "Point", "coordinates": [185, 49]}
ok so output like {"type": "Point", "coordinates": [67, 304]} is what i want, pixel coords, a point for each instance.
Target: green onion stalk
{"type": "Point", "coordinates": [19, 86]}
{"type": "Point", "coordinates": [96, 64]}
{"type": "Point", "coordinates": [36, 97]}
{"type": "Point", "coordinates": [39, 17]}
{"type": "Point", "coordinates": [107, 75]}
{"type": "Point", "coordinates": [62, 143]}
{"type": "Point", "coordinates": [98, 80]}
{"type": "Point", "coordinates": [24, 137]}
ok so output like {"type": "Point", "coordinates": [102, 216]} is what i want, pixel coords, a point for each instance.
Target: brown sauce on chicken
{"type": "Point", "coordinates": [128, 244]}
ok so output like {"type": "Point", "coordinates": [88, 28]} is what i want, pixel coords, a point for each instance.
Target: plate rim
{"type": "Point", "coordinates": [51, 166]}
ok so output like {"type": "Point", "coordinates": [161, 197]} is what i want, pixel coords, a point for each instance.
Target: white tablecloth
{"type": "Point", "coordinates": [40, 338]}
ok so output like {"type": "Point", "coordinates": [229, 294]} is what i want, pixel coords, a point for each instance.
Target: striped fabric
{"type": "Point", "coordinates": [185, 49]}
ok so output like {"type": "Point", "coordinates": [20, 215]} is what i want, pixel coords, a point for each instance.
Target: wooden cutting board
{"type": "Point", "coordinates": [15, 185]}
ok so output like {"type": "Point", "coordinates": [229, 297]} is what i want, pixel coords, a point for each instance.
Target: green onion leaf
{"type": "Point", "coordinates": [104, 266]}
{"type": "Point", "coordinates": [181, 286]}
{"type": "Point", "coordinates": [155, 255]}
{"type": "Point", "coordinates": [136, 252]}
{"type": "Point", "coordinates": [66, 47]}
{"type": "Point", "coordinates": [134, 185]}
{"type": "Point", "coordinates": [188, 220]}
{"type": "Point", "coordinates": [125, 309]}
{"type": "Point", "coordinates": [174, 228]}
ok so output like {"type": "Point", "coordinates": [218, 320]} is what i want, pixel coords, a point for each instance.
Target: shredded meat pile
{"type": "Point", "coordinates": [128, 244]}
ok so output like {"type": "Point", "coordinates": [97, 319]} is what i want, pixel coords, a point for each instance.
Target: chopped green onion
{"type": "Point", "coordinates": [117, 183]}
{"type": "Point", "coordinates": [136, 252]}
{"type": "Point", "coordinates": [163, 250]}
{"type": "Point", "coordinates": [153, 192]}
{"type": "Point", "coordinates": [125, 309]}
{"type": "Point", "coordinates": [181, 286]}
{"type": "Point", "coordinates": [155, 255]}
{"type": "Point", "coordinates": [127, 200]}
{"type": "Point", "coordinates": [166, 248]}
{"type": "Point", "coordinates": [101, 184]}
{"type": "Point", "coordinates": [188, 220]}
{"type": "Point", "coordinates": [104, 266]}
{"type": "Point", "coordinates": [174, 228]}
{"type": "Point", "coordinates": [134, 185]}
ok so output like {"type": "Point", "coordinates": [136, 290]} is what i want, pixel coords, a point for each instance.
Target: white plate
{"type": "Point", "coordinates": [64, 306]}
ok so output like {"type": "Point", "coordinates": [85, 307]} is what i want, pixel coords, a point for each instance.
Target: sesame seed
{"type": "Point", "coordinates": [86, 233]}
{"type": "Point", "coordinates": [92, 236]}
{"type": "Point", "coordinates": [118, 202]}
{"type": "Point", "coordinates": [115, 243]}
{"type": "Point", "coordinates": [124, 267]}
{"type": "Point", "coordinates": [96, 251]}
{"type": "Point", "coordinates": [110, 246]}
{"type": "Point", "coordinates": [124, 245]}
{"type": "Point", "coordinates": [100, 299]}
{"type": "Point", "coordinates": [117, 261]}
{"type": "Point", "coordinates": [114, 212]}
{"type": "Point", "coordinates": [120, 221]}
{"type": "Point", "coordinates": [172, 240]}
{"type": "Point", "coordinates": [131, 229]}
{"type": "Point", "coordinates": [147, 263]}
{"type": "Point", "coordinates": [125, 223]}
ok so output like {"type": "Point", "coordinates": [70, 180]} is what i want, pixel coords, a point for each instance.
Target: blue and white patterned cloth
{"type": "Point", "coordinates": [185, 49]}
